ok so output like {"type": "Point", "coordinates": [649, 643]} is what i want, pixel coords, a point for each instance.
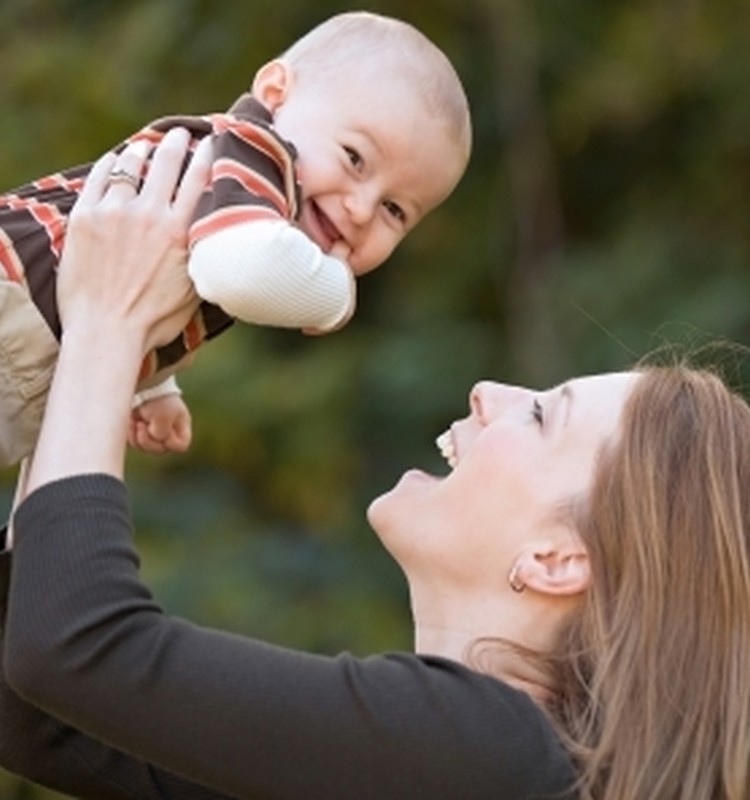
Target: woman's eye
{"type": "Point", "coordinates": [355, 159]}
{"type": "Point", "coordinates": [537, 412]}
{"type": "Point", "coordinates": [395, 210]}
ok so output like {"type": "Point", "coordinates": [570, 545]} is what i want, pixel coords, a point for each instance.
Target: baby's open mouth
{"type": "Point", "coordinates": [328, 230]}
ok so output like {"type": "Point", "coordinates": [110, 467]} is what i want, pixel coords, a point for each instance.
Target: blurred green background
{"type": "Point", "coordinates": [605, 212]}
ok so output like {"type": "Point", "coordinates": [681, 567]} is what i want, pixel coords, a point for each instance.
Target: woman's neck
{"type": "Point", "coordinates": [488, 633]}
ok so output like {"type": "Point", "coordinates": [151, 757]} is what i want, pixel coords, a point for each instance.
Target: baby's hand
{"type": "Point", "coordinates": [161, 425]}
{"type": "Point", "coordinates": [341, 251]}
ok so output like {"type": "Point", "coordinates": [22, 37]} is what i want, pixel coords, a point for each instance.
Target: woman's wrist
{"type": "Point", "coordinates": [103, 358]}
{"type": "Point", "coordinates": [85, 422]}
{"type": "Point", "coordinates": [103, 337]}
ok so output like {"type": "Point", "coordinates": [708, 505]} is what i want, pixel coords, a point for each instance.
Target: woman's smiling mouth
{"type": "Point", "coordinates": [447, 448]}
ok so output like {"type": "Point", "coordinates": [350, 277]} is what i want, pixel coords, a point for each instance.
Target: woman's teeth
{"type": "Point", "coordinates": [447, 449]}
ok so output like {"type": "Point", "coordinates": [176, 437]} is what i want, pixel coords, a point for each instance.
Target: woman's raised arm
{"type": "Point", "coordinates": [122, 288]}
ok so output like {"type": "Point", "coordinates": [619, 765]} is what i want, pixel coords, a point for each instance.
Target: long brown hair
{"type": "Point", "coordinates": [654, 672]}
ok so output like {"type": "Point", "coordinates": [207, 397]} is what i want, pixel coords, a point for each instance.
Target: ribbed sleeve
{"type": "Point", "coordinates": [270, 273]}
{"type": "Point", "coordinates": [87, 642]}
{"type": "Point", "coordinates": [44, 750]}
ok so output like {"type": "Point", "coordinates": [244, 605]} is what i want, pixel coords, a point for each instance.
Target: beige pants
{"type": "Point", "coordinates": [28, 352]}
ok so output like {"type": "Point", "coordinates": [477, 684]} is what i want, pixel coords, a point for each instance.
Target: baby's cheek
{"type": "Point", "coordinates": [364, 261]}
{"type": "Point", "coordinates": [358, 269]}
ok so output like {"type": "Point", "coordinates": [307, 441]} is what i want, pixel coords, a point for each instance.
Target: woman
{"type": "Point", "coordinates": [580, 586]}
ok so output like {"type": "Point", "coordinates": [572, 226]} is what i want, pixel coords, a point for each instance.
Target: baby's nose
{"type": "Point", "coordinates": [361, 204]}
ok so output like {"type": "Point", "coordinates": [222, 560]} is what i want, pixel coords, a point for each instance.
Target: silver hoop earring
{"type": "Point", "coordinates": [514, 581]}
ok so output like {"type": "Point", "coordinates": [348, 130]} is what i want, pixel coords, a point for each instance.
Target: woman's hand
{"type": "Point", "coordinates": [125, 255]}
{"type": "Point", "coordinates": [122, 288]}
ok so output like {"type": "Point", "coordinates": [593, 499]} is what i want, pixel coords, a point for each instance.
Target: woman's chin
{"type": "Point", "coordinates": [374, 511]}
{"type": "Point", "coordinates": [395, 509]}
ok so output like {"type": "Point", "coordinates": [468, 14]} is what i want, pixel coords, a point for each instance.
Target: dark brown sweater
{"type": "Point", "coordinates": [86, 642]}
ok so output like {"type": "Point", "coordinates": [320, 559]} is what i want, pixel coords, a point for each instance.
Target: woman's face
{"type": "Point", "coordinates": [516, 456]}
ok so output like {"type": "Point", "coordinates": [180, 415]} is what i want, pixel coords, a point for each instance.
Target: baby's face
{"type": "Point", "coordinates": [371, 165]}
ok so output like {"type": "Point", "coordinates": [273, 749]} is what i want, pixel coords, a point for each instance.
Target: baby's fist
{"type": "Point", "coordinates": [161, 425]}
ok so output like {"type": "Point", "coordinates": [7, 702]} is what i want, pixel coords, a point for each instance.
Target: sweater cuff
{"type": "Point", "coordinates": [76, 494]}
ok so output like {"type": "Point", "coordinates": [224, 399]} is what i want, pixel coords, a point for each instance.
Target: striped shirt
{"type": "Point", "coordinates": [253, 178]}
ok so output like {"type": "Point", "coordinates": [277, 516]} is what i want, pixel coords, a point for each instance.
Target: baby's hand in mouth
{"type": "Point", "coordinates": [341, 250]}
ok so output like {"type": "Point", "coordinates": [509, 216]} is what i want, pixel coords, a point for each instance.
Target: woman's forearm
{"type": "Point", "coordinates": [85, 424]}
{"type": "Point", "coordinates": [44, 750]}
{"type": "Point", "coordinates": [122, 289]}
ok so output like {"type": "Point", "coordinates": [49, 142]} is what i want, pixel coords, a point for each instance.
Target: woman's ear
{"type": "Point", "coordinates": [272, 84]}
{"type": "Point", "coordinates": [561, 569]}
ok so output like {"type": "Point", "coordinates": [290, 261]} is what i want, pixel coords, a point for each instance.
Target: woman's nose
{"type": "Point", "coordinates": [487, 399]}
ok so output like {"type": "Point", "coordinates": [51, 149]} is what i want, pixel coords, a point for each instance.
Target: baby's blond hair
{"type": "Point", "coordinates": [365, 39]}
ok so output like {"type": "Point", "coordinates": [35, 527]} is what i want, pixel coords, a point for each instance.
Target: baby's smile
{"type": "Point", "coordinates": [323, 231]}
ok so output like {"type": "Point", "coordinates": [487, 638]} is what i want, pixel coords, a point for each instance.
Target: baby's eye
{"type": "Point", "coordinates": [355, 159]}
{"type": "Point", "coordinates": [395, 210]}
{"type": "Point", "coordinates": [537, 412]}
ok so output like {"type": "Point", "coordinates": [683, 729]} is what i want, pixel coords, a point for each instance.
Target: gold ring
{"type": "Point", "coordinates": [123, 176]}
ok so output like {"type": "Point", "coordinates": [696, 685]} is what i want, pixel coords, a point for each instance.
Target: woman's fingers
{"type": "Point", "coordinates": [166, 165]}
{"type": "Point", "coordinates": [193, 181]}
{"type": "Point", "coordinates": [163, 183]}
{"type": "Point", "coordinates": [117, 179]}
{"type": "Point", "coordinates": [124, 179]}
{"type": "Point", "coordinates": [96, 182]}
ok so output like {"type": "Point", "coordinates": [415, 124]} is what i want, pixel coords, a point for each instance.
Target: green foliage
{"type": "Point", "coordinates": [604, 212]}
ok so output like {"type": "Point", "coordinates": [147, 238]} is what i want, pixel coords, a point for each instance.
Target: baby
{"type": "Point", "coordinates": [344, 143]}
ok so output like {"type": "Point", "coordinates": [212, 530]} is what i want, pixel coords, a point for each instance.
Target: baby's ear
{"type": "Point", "coordinates": [272, 84]}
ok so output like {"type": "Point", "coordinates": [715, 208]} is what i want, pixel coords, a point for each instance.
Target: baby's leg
{"type": "Point", "coordinates": [18, 497]}
{"type": "Point", "coordinates": [28, 352]}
